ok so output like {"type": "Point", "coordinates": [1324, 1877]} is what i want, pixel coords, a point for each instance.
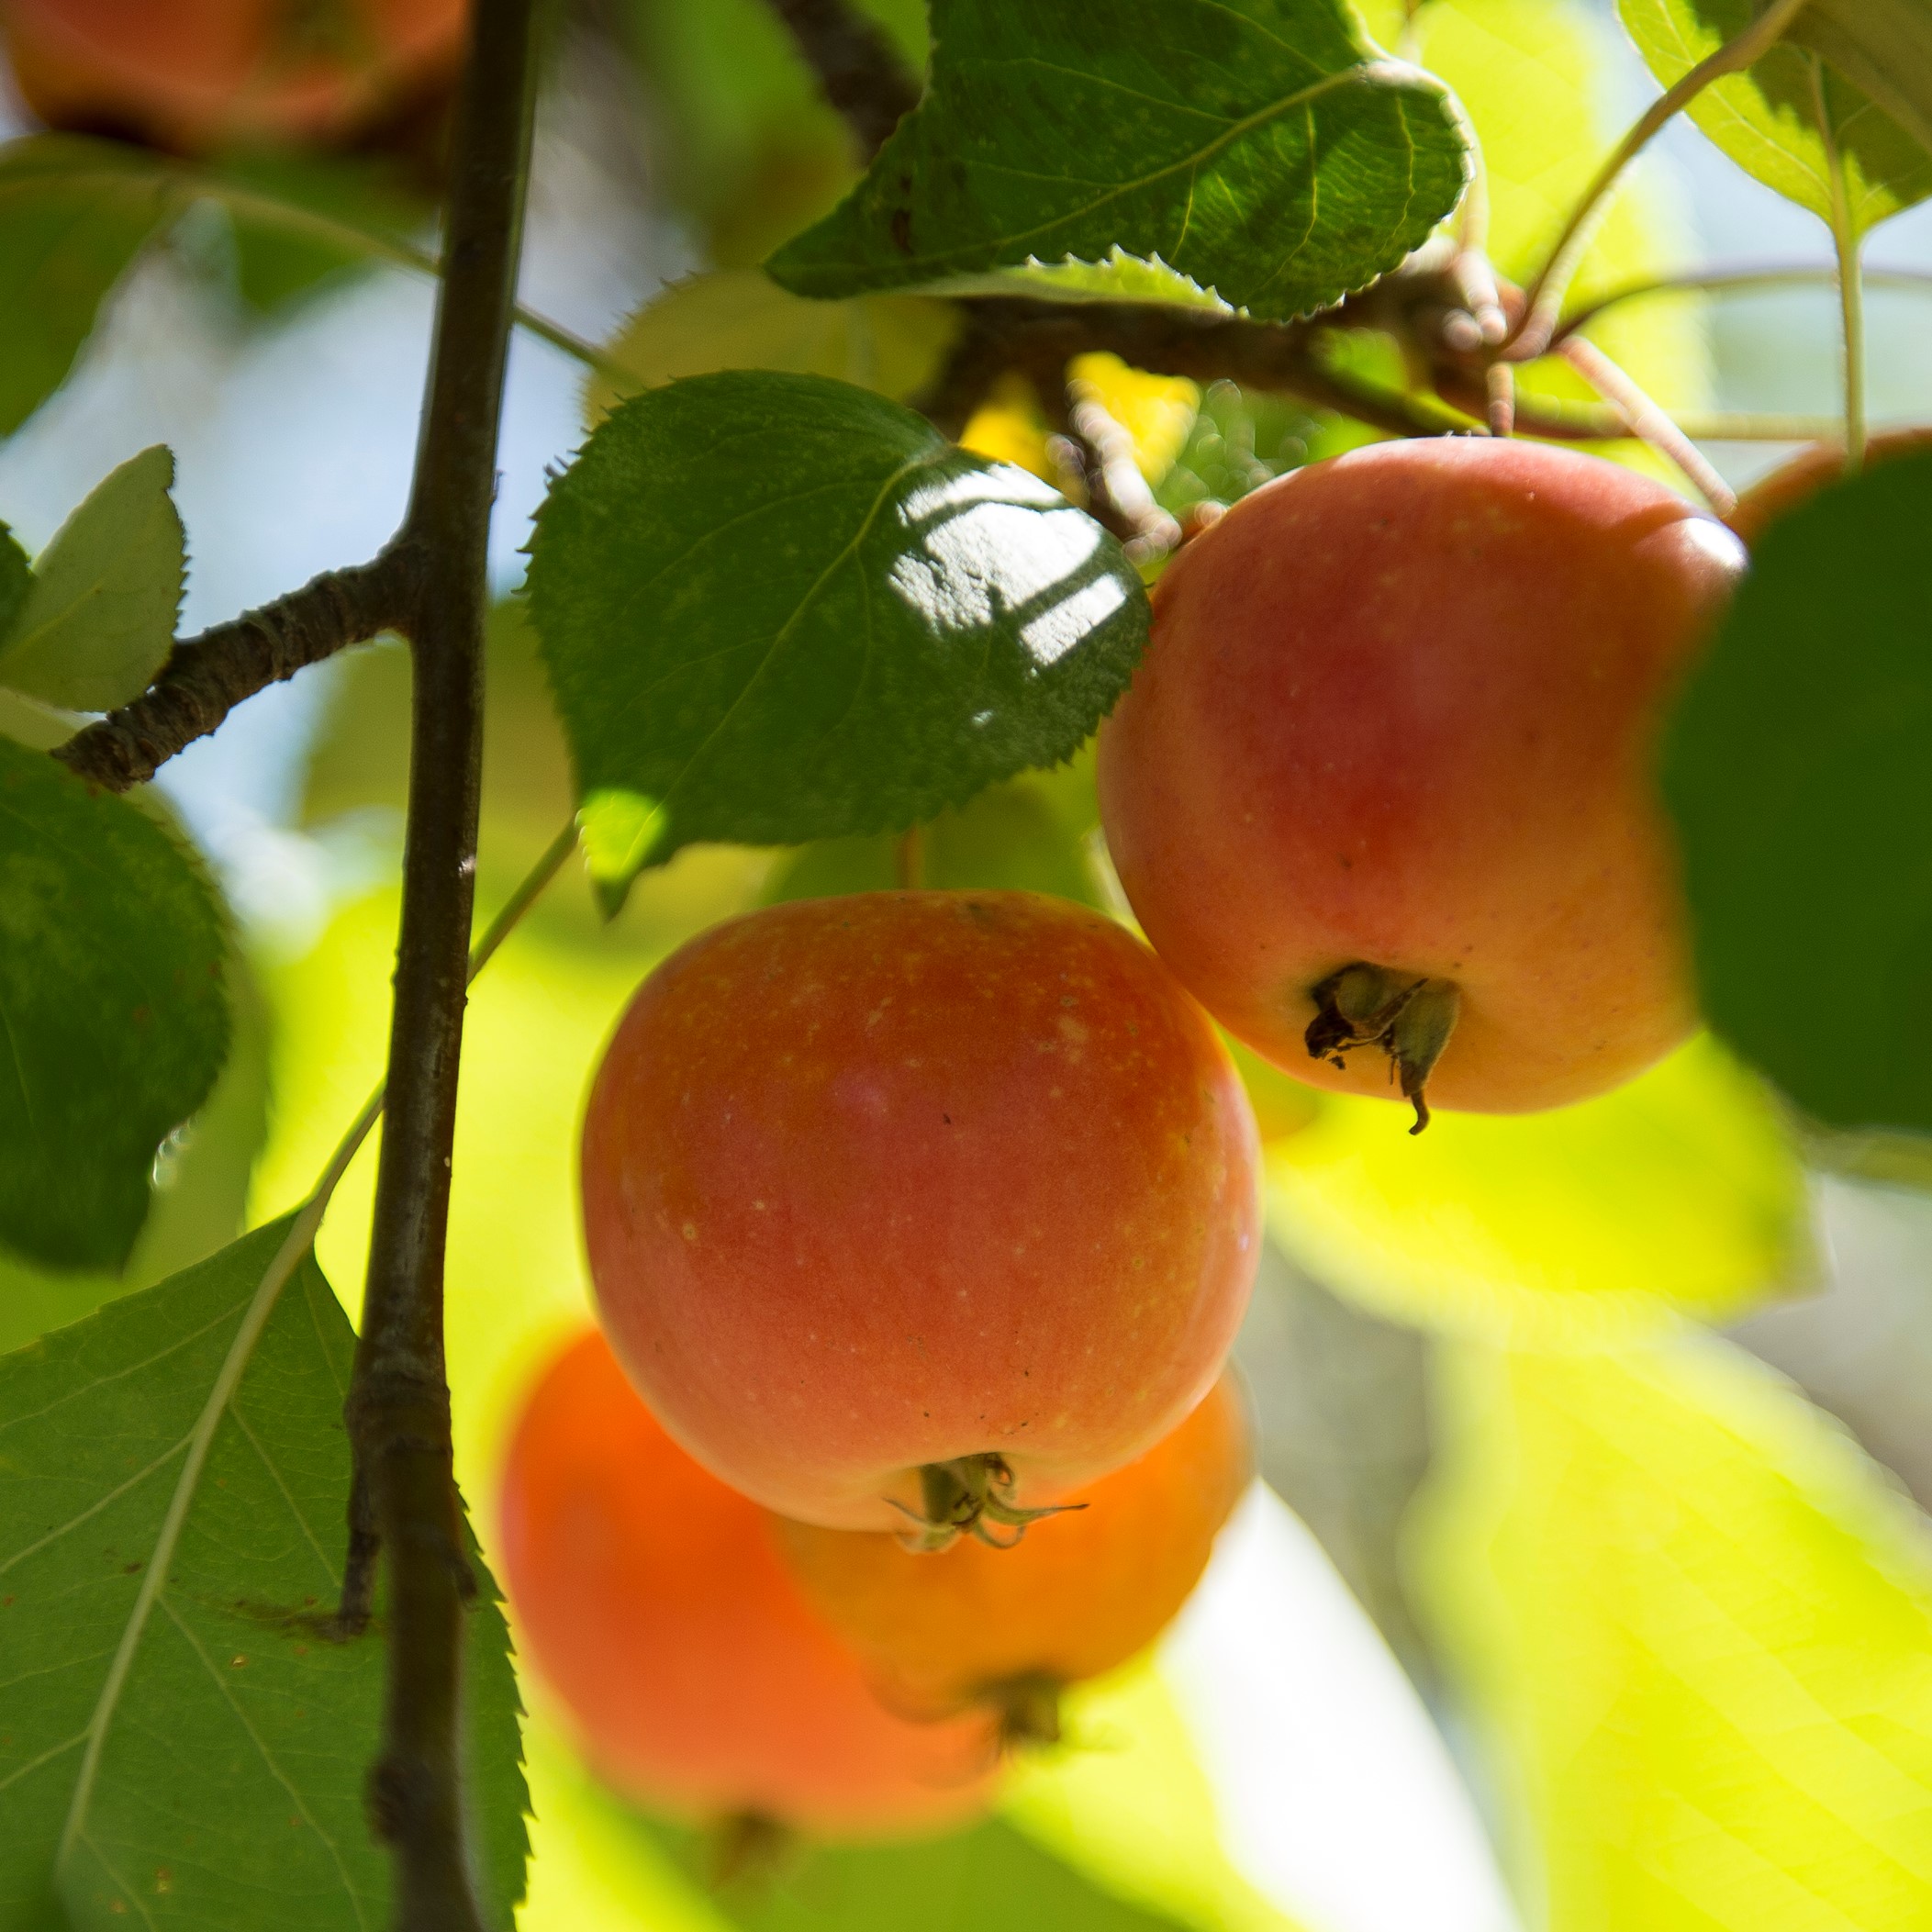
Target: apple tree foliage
{"type": "Point", "coordinates": [776, 607]}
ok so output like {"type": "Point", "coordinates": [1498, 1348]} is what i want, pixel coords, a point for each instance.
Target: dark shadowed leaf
{"type": "Point", "coordinates": [1882, 46]}
{"type": "Point", "coordinates": [72, 215]}
{"type": "Point", "coordinates": [776, 607]}
{"type": "Point", "coordinates": [216, 1782]}
{"type": "Point", "coordinates": [112, 1002]}
{"type": "Point", "coordinates": [15, 580]}
{"type": "Point", "coordinates": [1768, 119]}
{"type": "Point", "coordinates": [1798, 773]}
{"type": "Point", "coordinates": [99, 620]}
{"type": "Point", "coordinates": [1260, 147]}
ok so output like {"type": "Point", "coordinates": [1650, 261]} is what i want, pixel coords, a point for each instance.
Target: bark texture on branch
{"type": "Point", "coordinates": [858, 69]}
{"type": "Point", "coordinates": [403, 1506]}
{"type": "Point", "coordinates": [206, 676]}
{"type": "Point", "coordinates": [1037, 340]}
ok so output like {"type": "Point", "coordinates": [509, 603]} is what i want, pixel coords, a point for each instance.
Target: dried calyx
{"type": "Point", "coordinates": [1027, 1708]}
{"type": "Point", "coordinates": [963, 1498]}
{"type": "Point", "coordinates": [748, 1847]}
{"type": "Point", "coordinates": [1408, 1018]}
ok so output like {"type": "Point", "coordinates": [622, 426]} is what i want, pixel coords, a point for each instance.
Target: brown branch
{"type": "Point", "coordinates": [858, 69]}
{"type": "Point", "coordinates": [403, 1498]}
{"type": "Point", "coordinates": [206, 676]}
{"type": "Point", "coordinates": [1037, 340]}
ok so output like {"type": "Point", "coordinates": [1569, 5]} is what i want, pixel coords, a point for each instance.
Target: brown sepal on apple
{"type": "Point", "coordinates": [1409, 1019]}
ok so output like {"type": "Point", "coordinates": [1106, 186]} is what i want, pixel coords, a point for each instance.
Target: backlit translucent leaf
{"type": "Point", "coordinates": [1768, 119]}
{"type": "Point", "coordinates": [776, 608]}
{"type": "Point", "coordinates": [72, 215]}
{"type": "Point", "coordinates": [1696, 1624]}
{"type": "Point", "coordinates": [111, 1004]}
{"type": "Point", "coordinates": [1796, 769]}
{"type": "Point", "coordinates": [1129, 1803]}
{"type": "Point", "coordinates": [231, 1755]}
{"type": "Point", "coordinates": [1029, 834]}
{"type": "Point", "coordinates": [1678, 1189]}
{"type": "Point", "coordinates": [1259, 148]}
{"type": "Point", "coordinates": [1883, 47]}
{"type": "Point", "coordinates": [99, 619]}
{"type": "Point", "coordinates": [740, 319]}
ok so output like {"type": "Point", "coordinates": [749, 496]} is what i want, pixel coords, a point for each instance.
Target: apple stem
{"type": "Point", "coordinates": [1409, 1019]}
{"type": "Point", "coordinates": [1844, 244]}
{"type": "Point", "coordinates": [962, 1497]}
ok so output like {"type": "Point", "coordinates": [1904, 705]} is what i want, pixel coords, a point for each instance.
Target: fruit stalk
{"type": "Point", "coordinates": [404, 1501]}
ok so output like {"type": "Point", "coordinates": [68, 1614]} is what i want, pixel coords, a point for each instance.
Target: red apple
{"type": "Point", "coordinates": [1381, 792]}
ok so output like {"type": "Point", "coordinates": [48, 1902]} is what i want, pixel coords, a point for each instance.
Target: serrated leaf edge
{"type": "Point", "coordinates": [1378, 70]}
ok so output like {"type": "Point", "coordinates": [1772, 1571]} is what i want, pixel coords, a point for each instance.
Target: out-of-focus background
{"type": "Point", "coordinates": [1592, 1590]}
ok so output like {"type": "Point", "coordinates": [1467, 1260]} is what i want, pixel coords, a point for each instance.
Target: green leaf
{"type": "Point", "coordinates": [775, 607]}
{"type": "Point", "coordinates": [1796, 768]}
{"type": "Point", "coordinates": [99, 619]}
{"type": "Point", "coordinates": [990, 1878]}
{"type": "Point", "coordinates": [223, 1766]}
{"type": "Point", "coordinates": [72, 215]}
{"type": "Point", "coordinates": [1881, 46]}
{"type": "Point", "coordinates": [1768, 119]}
{"type": "Point", "coordinates": [1678, 1189]}
{"type": "Point", "coordinates": [281, 254]}
{"type": "Point", "coordinates": [1131, 1805]}
{"type": "Point", "coordinates": [16, 579]}
{"type": "Point", "coordinates": [740, 319]}
{"type": "Point", "coordinates": [1259, 148]}
{"type": "Point", "coordinates": [1695, 1623]}
{"type": "Point", "coordinates": [202, 1179]}
{"type": "Point", "coordinates": [1117, 277]}
{"type": "Point", "coordinates": [112, 1003]}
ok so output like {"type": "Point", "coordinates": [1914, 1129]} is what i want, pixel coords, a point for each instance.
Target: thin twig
{"type": "Point", "coordinates": [858, 67]}
{"type": "Point", "coordinates": [1851, 304]}
{"type": "Point", "coordinates": [1649, 420]}
{"type": "Point", "coordinates": [1118, 495]}
{"type": "Point", "coordinates": [1720, 281]}
{"type": "Point", "coordinates": [908, 859]}
{"type": "Point", "coordinates": [1544, 297]}
{"type": "Point", "coordinates": [376, 243]}
{"type": "Point", "coordinates": [206, 676]}
{"type": "Point", "coordinates": [398, 1408]}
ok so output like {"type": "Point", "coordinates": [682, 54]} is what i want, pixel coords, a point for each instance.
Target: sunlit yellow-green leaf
{"type": "Point", "coordinates": [1679, 1189]}
{"type": "Point", "coordinates": [1696, 1624]}
{"type": "Point", "coordinates": [1126, 1801]}
{"type": "Point", "coordinates": [1530, 72]}
{"type": "Point", "coordinates": [1769, 118]}
{"type": "Point", "coordinates": [589, 1867]}
{"type": "Point", "coordinates": [740, 319]}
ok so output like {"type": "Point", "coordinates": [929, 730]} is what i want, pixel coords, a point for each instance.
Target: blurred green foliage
{"type": "Point", "coordinates": [743, 144]}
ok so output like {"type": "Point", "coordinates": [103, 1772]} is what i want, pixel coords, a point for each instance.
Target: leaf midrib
{"type": "Point", "coordinates": [1361, 73]}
